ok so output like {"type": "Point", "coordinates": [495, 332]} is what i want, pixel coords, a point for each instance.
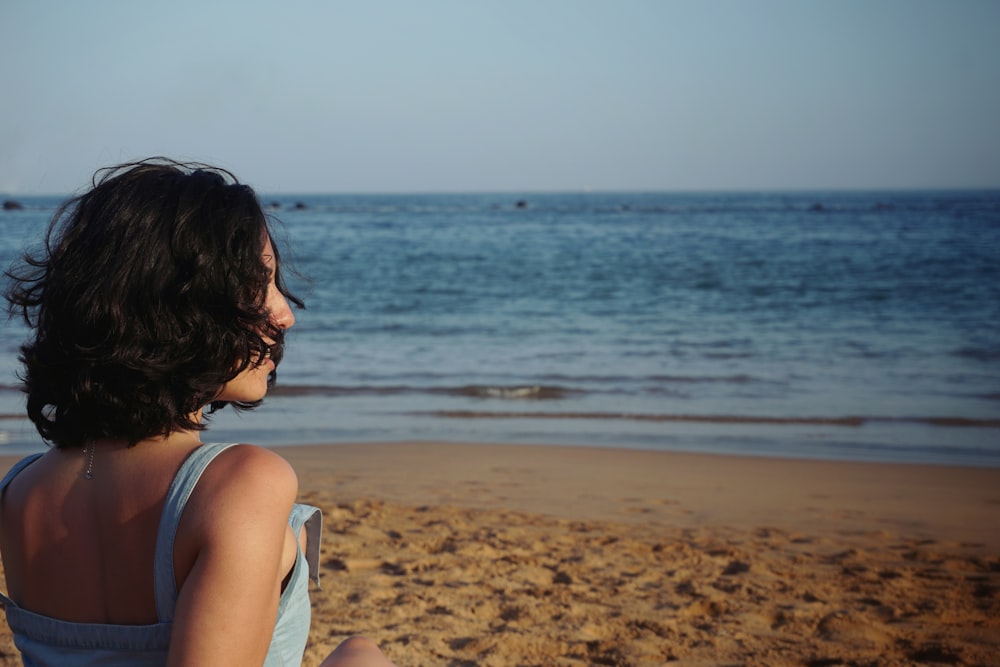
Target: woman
{"type": "Point", "coordinates": [158, 295]}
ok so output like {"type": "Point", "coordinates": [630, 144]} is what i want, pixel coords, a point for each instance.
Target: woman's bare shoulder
{"type": "Point", "coordinates": [248, 481]}
{"type": "Point", "coordinates": [255, 463]}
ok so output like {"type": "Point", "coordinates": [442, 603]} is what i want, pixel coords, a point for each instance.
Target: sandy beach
{"type": "Point", "coordinates": [460, 555]}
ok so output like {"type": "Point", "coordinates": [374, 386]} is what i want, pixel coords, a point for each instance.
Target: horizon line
{"type": "Point", "coordinates": [262, 194]}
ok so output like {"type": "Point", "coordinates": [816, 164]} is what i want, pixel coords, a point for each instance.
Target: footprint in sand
{"type": "Point", "coordinates": [851, 629]}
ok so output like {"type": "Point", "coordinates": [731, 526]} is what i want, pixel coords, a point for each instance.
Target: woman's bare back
{"type": "Point", "coordinates": [82, 550]}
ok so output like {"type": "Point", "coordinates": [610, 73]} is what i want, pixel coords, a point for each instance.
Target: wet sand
{"type": "Point", "coordinates": [474, 554]}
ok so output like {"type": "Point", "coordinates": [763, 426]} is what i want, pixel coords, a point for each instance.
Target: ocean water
{"type": "Point", "coordinates": [861, 326]}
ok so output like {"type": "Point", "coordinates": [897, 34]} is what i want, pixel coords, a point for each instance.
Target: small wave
{"type": "Point", "coordinates": [944, 421]}
{"type": "Point", "coordinates": [849, 421]}
{"type": "Point", "coordinates": [725, 379]}
{"type": "Point", "coordinates": [514, 392]}
{"type": "Point", "coordinates": [326, 390]}
{"type": "Point", "coordinates": [534, 392]}
{"type": "Point", "coordinates": [713, 419]}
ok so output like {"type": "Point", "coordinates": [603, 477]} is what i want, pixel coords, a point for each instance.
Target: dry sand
{"type": "Point", "coordinates": [460, 555]}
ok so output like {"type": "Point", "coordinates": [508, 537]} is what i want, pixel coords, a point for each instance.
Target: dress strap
{"type": "Point", "coordinates": [17, 468]}
{"type": "Point", "coordinates": [164, 579]}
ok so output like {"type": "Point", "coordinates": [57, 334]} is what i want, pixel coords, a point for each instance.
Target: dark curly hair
{"type": "Point", "coordinates": [147, 297]}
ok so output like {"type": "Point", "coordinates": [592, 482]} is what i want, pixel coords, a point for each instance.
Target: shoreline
{"type": "Point", "coordinates": [499, 555]}
{"type": "Point", "coordinates": [949, 441]}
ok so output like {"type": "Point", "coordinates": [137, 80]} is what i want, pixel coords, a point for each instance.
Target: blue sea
{"type": "Point", "coordinates": [822, 325]}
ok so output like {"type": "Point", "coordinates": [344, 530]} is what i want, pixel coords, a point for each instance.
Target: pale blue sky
{"type": "Point", "coordinates": [449, 96]}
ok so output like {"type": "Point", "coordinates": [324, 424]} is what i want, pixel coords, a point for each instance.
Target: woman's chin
{"type": "Point", "coordinates": [249, 386]}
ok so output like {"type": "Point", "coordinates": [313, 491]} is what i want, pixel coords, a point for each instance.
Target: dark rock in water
{"type": "Point", "coordinates": [11, 205]}
{"type": "Point", "coordinates": [817, 207]}
{"type": "Point", "coordinates": [521, 204]}
{"type": "Point", "coordinates": [274, 204]}
{"type": "Point", "coordinates": [299, 206]}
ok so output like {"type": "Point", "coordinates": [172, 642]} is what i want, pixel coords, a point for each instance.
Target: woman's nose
{"type": "Point", "coordinates": [279, 310]}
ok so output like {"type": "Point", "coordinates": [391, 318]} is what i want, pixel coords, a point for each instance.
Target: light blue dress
{"type": "Point", "coordinates": [48, 642]}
